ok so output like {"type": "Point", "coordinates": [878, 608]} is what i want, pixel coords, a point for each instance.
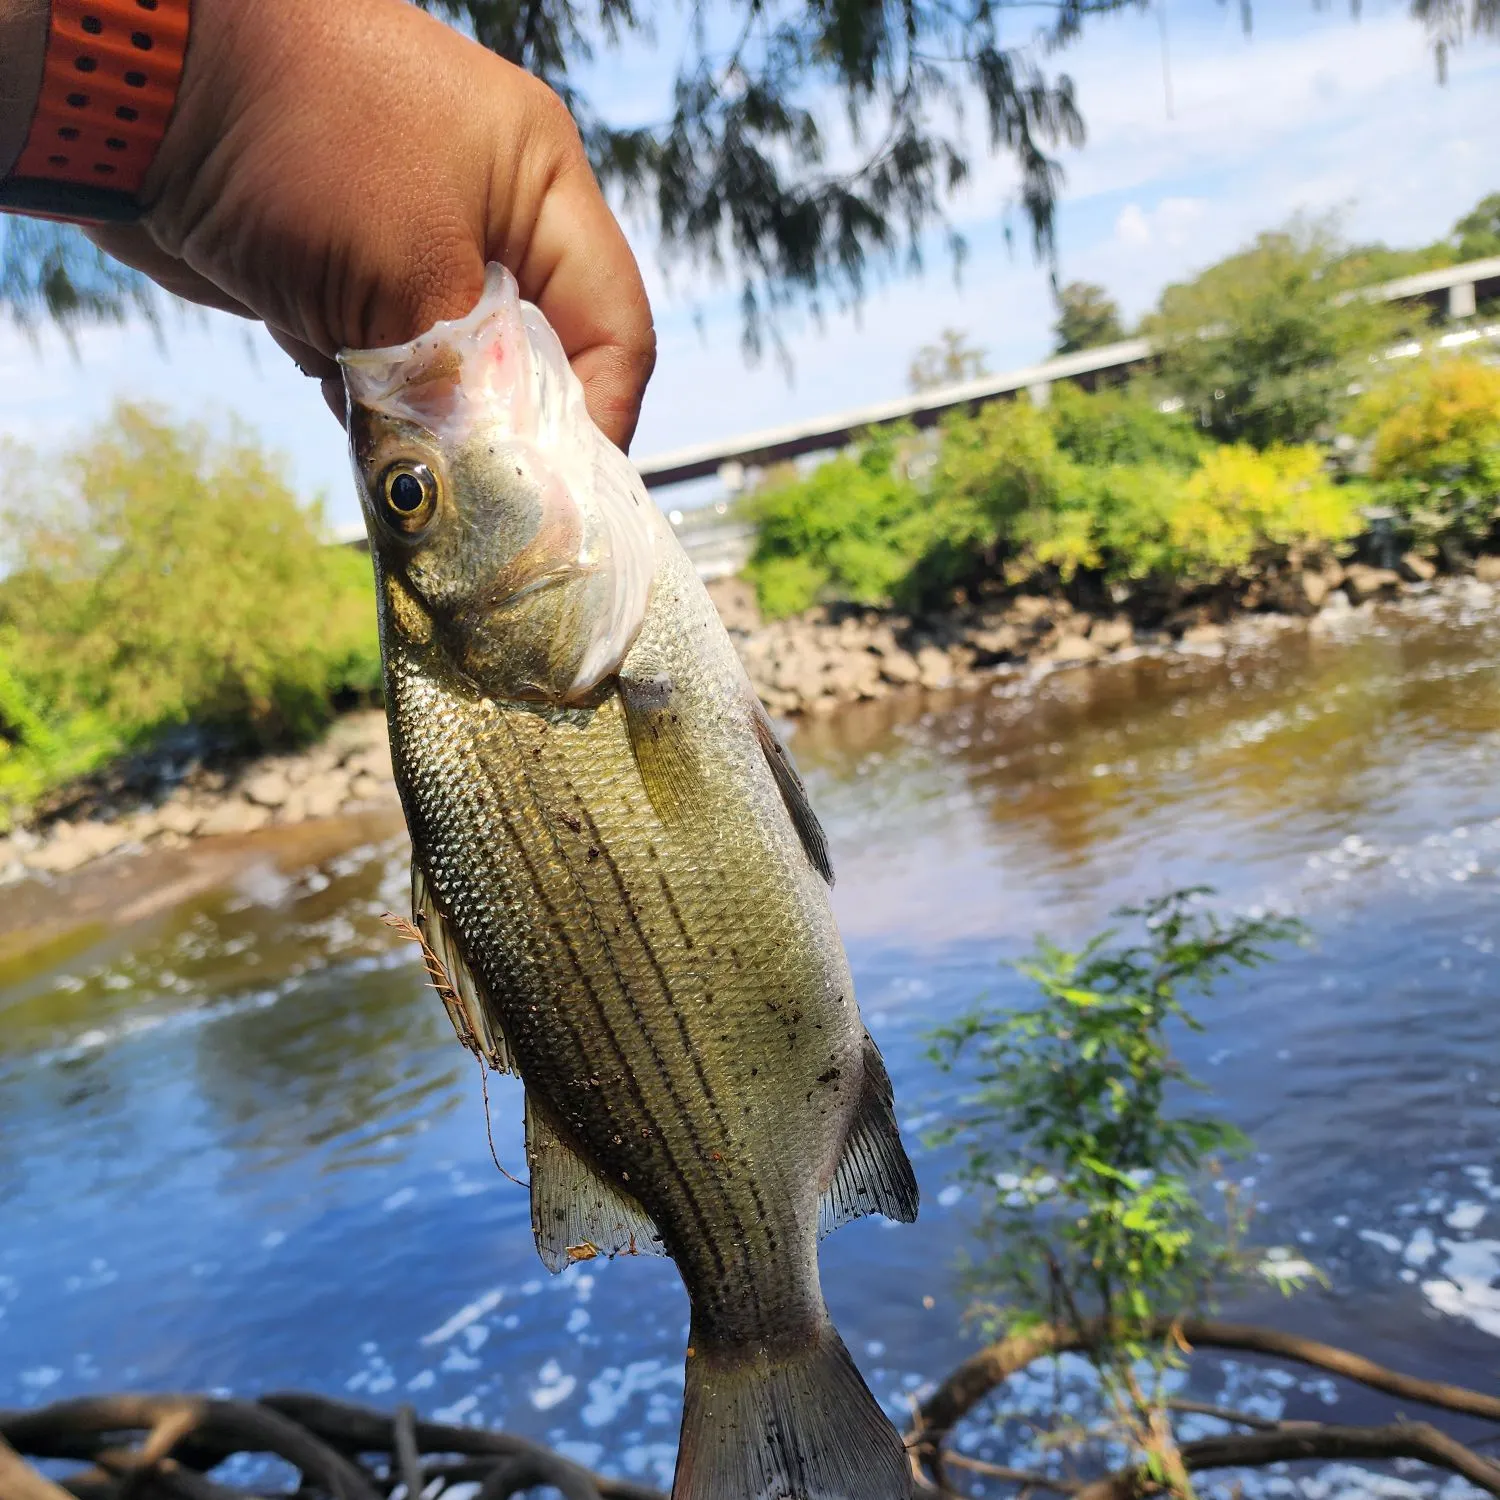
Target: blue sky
{"type": "Point", "coordinates": [1312, 112]}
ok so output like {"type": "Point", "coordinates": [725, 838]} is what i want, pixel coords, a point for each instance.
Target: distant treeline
{"type": "Point", "coordinates": [1276, 414]}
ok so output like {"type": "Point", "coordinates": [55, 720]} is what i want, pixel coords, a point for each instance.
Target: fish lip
{"type": "Point", "coordinates": [368, 363]}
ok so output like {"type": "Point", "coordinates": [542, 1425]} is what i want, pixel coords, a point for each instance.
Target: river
{"type": "Point", "coordinates": [240, 1149]}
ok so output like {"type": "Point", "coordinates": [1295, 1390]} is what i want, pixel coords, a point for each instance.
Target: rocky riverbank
{"type": "Point", "coordinates": [187, 791]}
{"type": "Point", "coordinates": [812, 664]}
{"type": "Point", "coordinates": [817, 662]}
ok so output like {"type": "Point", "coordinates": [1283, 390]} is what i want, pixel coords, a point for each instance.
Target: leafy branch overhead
{"type": "Point", "coordinates": [804, 145]}
{"type": "Point", "coordinates": [743, 174]}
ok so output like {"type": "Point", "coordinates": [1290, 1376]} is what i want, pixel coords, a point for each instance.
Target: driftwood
{"type": "Point", "coordinates": [164, 1447]}
{"type": "Point", "coordinates": [1269, 1442]}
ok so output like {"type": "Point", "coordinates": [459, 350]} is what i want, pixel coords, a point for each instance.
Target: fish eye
{"type": "Point", "coordinates": [410, 494]}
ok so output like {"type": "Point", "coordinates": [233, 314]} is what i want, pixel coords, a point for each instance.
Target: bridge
{"type": "Point", "coordinates": [1454, 290]}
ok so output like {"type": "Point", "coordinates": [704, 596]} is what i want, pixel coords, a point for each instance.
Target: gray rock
{"type": "Point", "coordinates": [234, 816]}
{"type": "Point", "coordinates": [267, 788]}
{"type": "Point", "coordinates": [1315, 589]}
{"type": "Point", "coordinates": [374, 760]}
{"type": "Point", "coordinates": [1207, 634]}
{"type": "Point", "coordinates": [900, 667]}
{"type": "Point", "coordinates": [1027, 609]}
{"type": "Point", "coordinates": [1110, 635]}
{"type": "Point", "coordinates": [323, 796]}
{"type": "Point", "coordinates": [364, 787]}
{"type": "Point", "coordinates": [995, 642]}
{"type": "Point", "coordinates": [1072, 650]}
{"type": "Point", "coordinates": [736, 603]}
{"type": "Point", "coordinates": [180, 818]}
{"type": "Point", "coordinates": [934, 669]}
{"type": "Point", "coordinates": [70, 846]}
{"type": "Point", "coordinates": [1362, 582]}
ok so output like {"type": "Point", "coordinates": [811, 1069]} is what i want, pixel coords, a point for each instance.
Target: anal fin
{"type": "Point", "coordinates": [575, 1213]}
{"type": "Point", "coordinates": [467, 1007]}
{"type": "Point", "coordinates": [663, 750]}
{"type": "Point", "coordinates": [874, 1174]}
{"type": "Point", "coordinates": [793, 792]}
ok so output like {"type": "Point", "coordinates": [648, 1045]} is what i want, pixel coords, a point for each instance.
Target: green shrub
{"type": "Point", "coordinates": [1238, 502]}
{"type": "Point", "coordinates": [1123, 425]}
{"type": "Point", "coordinates": [1089, 1168]}
{"type": "Point", "coordinates": [157, 576]}
{"type": "Point", "coordinates": [848, 529]}
{"type": "Point", "coordinates": [1113, 520]}
{"type": "Point", "coordinates": [1436, 448]}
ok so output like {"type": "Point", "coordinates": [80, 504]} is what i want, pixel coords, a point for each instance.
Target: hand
{"type": "Point", "coordinates": [344, 172]}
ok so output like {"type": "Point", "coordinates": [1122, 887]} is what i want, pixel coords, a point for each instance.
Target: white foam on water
{"type": "Point", "coordinates": [1421, 1248]}
{"type": "Point", "coordinates": [552, 1387]}
{"type": "Point", "coordinates": [614, 1387]}
{"type": "Point", "coordinates": [469, 1313]}
{"type": "Point", "coordinates": [459, 1411]}
{"type": "Point", "coordinates": [1465, 1215]}
{"type": "Point", "coordinates": [1470, 1284]}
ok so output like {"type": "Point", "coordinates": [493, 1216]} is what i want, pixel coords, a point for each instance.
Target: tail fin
{"type": "Point", "coordinates": [790, 1426]}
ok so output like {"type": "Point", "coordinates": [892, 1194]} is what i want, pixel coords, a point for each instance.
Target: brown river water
{"type": "Point", "coordinates": [240, 1150]}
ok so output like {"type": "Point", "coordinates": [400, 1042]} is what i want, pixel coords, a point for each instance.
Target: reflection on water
{"type": "Point", "coordinates": [239, 1147]}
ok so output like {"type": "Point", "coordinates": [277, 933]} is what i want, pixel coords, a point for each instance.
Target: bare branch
{"type": "Point", "coordinates": [19, 1481]}
{"type": "Point", "coordinates": [1313, 1440]}
{"type": "Point", "coordinates": [973, 1380]}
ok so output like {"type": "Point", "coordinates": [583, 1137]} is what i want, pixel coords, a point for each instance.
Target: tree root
{"type": "Point", "coordinates": [164, 1447]}
{"type": "Point", "coordinates": [1271, 1442]}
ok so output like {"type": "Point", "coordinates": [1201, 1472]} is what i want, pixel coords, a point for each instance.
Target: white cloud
{"type": "Point", "coordinates": [1132, 227]}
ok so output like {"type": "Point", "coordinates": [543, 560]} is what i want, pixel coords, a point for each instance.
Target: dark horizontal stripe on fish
{"type": "Point", "coordinates": [690, 1047]}
{"type": "Point", "coordinates": [689, 1044]}
{"type": "Point", "coordinates": [695, 1207]}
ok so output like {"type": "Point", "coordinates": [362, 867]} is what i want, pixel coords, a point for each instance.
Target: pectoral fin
{"type": "Point", "coordinates": [462, 997]}
{"type": "Point", "coordinates": [575, 1213]}
{"type": "Point", "coordinates": [874, 1175]}
{"type": "Point", "coordinates": [664, 753]}
{"type": "Point", "coordinates": [793, 793]}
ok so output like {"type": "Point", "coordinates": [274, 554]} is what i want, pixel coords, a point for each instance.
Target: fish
{"type": "Point", "coordinates": [617, 868]}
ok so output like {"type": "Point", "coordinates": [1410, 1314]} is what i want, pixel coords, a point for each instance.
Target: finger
{"type": "Point", "coordinates": [579, 269]}
{"type": "Point", "coordinates": [133, 246]}
{"type": "Point", "coordinates": [333, 394]}
{"type": "Point", "coordinates": [310, 361]}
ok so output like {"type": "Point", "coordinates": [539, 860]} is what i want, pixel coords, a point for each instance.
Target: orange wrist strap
{"type": "Point", "coordinates": [109, 83]}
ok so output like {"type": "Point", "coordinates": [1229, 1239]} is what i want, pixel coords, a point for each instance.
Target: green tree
{"type": "Point", "coordinates": [947, 361]}
{"type": "Point", "coordinates": [1477, 234]}
{"type": "Point", "coordinates": [1262, 345]}
{"type": "Point", "coordinates": [156, 576]}
{"type": "Point", "coordinates": [1087, 1163]}
{"type": "Point", "coordinates": [1087, 316]}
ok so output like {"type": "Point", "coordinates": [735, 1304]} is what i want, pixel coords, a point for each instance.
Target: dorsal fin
{"type": "Point", "coordinates": [471, 1014]}
{"type": "Point", "coordinates": [575, 1213]}
{"type": "Point", "coordinates": [874, 1174]}
{"type": "Point", "coordinates": [793, 792]}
